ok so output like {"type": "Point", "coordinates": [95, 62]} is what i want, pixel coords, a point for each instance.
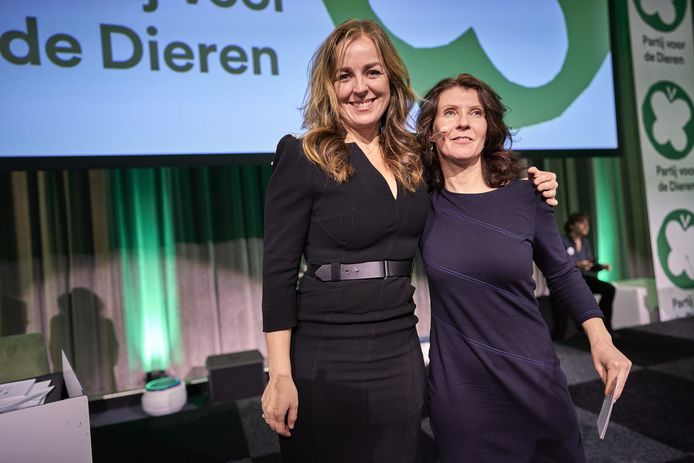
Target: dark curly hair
{"type": "Point", "coordinates": [499, 164]}
{"type": "Point", "coordinates": [574, 219]}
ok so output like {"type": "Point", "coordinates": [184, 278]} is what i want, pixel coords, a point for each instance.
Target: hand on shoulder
{"type": "Point", "coordinates": [546, 183]}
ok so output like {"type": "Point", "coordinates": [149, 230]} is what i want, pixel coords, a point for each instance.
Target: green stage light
{"type": "Point", "coordinates": [145, 237]}
{"type": "Point", "coordinates": [608, 204]}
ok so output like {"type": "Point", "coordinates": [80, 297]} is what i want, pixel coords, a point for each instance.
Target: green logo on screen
{"type": "Point", "coordinates": [662, 15]}
{"type": "Point", "coordinates": [676, 248]}
{"type": "Point", "coordinates": [584, 30]}
{"type": "Point", "coordinates": [667, 116]}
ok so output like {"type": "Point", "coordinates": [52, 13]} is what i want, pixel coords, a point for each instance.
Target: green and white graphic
{"type": "Point", "coordinates": [226, 64]}
{"type": "Point", "coordinates": [676, 247]}
{"type": "Point", "coordinates": [587, 46]}
{"type": "Point", "coordinates": [662, 47]}
{"type": "Point", "coordinates": [667, 117]}
{"type": "Point", "coordinates": [662, 15]}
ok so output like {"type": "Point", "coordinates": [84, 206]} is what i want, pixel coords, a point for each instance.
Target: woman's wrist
{"type": "Point", "coordinates": [596, 331]}
{"type": "Point", "coordinates": [279, 363]}
{"type": "Point", "coordinates": [279, 372]}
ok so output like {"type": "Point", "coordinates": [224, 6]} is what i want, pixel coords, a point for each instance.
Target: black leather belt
{"type": "Point", "coordinates": [361, 270]}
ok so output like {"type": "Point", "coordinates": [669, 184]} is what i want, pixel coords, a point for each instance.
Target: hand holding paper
{"type": "Point", "coordinates": [608, 361]}
{"type": "Point", "coordinates": [606, 409]}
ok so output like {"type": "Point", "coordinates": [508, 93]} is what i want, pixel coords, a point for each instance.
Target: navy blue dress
{"type": "Point", "coordinates": [497, 393]}
{"type": "Point", "coordinates": [356, 359]}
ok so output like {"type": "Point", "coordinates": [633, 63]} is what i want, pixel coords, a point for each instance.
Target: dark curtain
{"type": "Point", "coordinates": [133, 270]}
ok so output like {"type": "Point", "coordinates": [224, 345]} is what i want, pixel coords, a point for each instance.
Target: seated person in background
{"type": "Point", "coordinates": [580, 250]}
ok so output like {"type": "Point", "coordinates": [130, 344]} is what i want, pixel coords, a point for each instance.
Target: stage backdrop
{"type": "Point", "coordinates": [169, 258]}
{"type": "Point", "coordinates": [663, 60]}
{"type": "Point", "coordinates": [147, 77]}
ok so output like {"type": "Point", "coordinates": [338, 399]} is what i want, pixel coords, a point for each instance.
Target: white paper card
{"type": "Point", "coordinates": [606, 410]}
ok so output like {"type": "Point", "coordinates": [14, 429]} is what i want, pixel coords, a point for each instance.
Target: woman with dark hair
{"type": "Point", "coordinates": [497, 392]}
{"type": "Point", "coordinates": [346, 374]}
{"type": "Point", "coordinates": [580, 251]}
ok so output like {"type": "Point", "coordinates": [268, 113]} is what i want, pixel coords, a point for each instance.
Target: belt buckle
{"type": "Point", "coordinates": [386, 269]}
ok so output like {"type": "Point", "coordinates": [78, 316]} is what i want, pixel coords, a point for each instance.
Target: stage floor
{"type": "Point", "coordinates": [652, 422]}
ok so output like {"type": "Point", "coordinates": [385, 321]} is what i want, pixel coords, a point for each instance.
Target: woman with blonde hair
{"type": "Point", "coordinates": [346, 371]}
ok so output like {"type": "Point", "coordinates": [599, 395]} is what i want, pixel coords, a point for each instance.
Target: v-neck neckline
{"type": "Point", "coordinates": [382, 177]}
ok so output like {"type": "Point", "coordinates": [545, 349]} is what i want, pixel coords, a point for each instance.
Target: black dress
{"type": "Point", "coordinates": [355, 354]}
{"type": "Point", "coordinates": [497, 392]}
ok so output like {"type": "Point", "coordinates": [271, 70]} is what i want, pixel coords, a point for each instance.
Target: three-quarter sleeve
{"type": "Point", "coordinates": [287, 216]}
{"type": "Point", "coordinates": [564, 279]}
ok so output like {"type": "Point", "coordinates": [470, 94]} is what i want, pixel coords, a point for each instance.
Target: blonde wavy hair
{"type": "Point", "coordinates": [324, 140]}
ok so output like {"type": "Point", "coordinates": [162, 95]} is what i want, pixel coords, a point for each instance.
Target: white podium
{"type": "Point", "coordinates": [634, 302]}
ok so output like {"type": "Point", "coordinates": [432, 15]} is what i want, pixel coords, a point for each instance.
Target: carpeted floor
{"type": "Point", "coordinates": [654, 419]}
{"type": "Point", "coordinates": [653, 422]}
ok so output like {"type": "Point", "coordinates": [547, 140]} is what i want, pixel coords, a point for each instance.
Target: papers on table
{"type": "Point", "coordinates": [23, 394]}
{"type": "Point", "coordinates": [17, 388]}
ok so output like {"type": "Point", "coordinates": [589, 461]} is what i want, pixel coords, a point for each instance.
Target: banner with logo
{"type": "Point", "coordinates": [663, 63]}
